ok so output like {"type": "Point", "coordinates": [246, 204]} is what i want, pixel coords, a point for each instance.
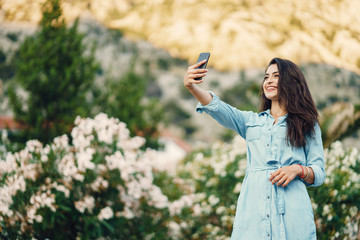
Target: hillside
{"type": "Point", "coordinates": [115, 53]}
{"type": "Point", "coordinates": [165, 65]}
{"type": "Point", "coordinates": [240, 34]}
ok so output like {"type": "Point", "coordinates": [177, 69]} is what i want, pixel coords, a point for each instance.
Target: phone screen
{"type": "Point", "coordinates": [202, 56]}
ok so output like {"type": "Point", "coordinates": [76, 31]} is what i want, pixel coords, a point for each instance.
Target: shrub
{"type": "Point", "coordinates": [99, 185]}
{"type": "Point", "coordinates": [336, 203]}
{"type": "Point", "coordinates": [213, 181]}
{"type": "Point", "coordinates": [213, 178]}
{"type": "Point", "coordinates": [102, 185]}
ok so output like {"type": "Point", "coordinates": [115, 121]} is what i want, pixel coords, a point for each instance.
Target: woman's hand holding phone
{"type": "Point", "coordinates": [194, 75]}
{"type": "Point", "coordinates": [194, 72]}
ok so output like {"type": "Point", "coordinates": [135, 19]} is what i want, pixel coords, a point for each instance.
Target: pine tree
{"type": "Point", "coordinates": [56, 75]}
{"type": "Point", "coordinates": [124, 99]}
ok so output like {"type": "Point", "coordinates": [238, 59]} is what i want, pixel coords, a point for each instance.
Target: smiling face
{"type": "Point", "coordinates": [270, 84]}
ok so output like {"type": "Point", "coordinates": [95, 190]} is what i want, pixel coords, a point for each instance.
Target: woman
{"type": "Point", "coordinates": [285, 153]}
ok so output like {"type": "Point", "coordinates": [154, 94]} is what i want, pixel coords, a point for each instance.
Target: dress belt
{"type": "Point", "coordinates": [279, 196]}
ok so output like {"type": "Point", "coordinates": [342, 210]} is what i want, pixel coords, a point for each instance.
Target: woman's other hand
{"type": "Point", "coordinates": [283, 176]}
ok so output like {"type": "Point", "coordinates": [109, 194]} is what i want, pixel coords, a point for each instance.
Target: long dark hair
{"type": "Point", "coordinates": [295, 97]}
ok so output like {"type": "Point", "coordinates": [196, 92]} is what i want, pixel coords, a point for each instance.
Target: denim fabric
{"type": "Point", "coordinates": [265, 211]}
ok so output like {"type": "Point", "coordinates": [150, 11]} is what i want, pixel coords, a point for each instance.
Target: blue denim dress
{"type": "Point", "coordinates": [266, 211]}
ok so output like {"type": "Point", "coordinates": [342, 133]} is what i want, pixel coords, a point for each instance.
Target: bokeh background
{"type": "Point", "coordinates": [136, 161]}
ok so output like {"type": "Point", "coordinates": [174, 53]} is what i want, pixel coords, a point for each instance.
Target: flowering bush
{"type": "Point", "coordinates": [213, 181]}
{"type": "Point", "coordinates": [100, 184]}
{"type": "Point", "coordinates": [96, 185]}
{"type": "Point", "coordinates": [337, 202]}
{"type": "Point", "coordinates": [214, 177]}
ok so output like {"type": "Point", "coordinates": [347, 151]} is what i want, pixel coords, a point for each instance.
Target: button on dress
{"type": "Point", "coordinates": [266, 211]}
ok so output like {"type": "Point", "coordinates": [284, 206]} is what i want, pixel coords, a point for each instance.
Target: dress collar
{"type": "Point", "coordinates": [267, 112]}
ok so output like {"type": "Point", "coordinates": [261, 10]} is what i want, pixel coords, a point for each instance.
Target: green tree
{"type": "Point", "coordinates": [55, 73]}
{"type": "Point", "coordinates": [126, 99]}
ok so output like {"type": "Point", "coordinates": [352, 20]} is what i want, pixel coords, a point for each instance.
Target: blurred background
{"type": "Point", "coordinates": [127, 58]}
{"type": "Point", "coordinates": [155, 41]}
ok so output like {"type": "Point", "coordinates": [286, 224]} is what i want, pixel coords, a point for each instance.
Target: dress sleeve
{"type": "Point", "coordinates": [228, 116]}
{"type": "Point", "coordinates": [314, 153]}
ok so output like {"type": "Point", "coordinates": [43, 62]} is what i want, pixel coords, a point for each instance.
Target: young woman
{"type": "Point", "coordinates": [284, 153]}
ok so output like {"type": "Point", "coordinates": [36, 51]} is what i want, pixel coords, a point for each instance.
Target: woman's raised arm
{"type": "Point", "coordinates": [203, 96]}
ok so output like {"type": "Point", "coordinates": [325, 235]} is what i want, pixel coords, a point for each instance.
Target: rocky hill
{"type": "Point", "coordinates": [160, 36]}
{"type": "Point", "coordinates": [240, 34]}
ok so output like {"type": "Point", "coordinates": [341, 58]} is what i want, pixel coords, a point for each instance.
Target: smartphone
{"type": "Point", "coordinates": [202, 56]}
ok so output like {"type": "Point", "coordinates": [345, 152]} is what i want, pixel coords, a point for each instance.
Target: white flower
{"type": "Point", "coordinates": [99, 183]}
{"type": "Point", "coordinates": [9, 165]}
{"type": "Point", "coordinates": [87, 203]}
{"type": "Point", "coordinates": [353, 211]}
{"type": "Point", "coordinates": [220, 210]}
{"type": "Point", "coordinates": [79, 177]}
{"type": "Point", "coordinates": [61, 142]}
{"type": "Point", "coordinates": [40, 200]}
{"type": "Point", "coordinates": [31, 214]}
{"type": "Point", "coordinates": [183, 225]}
{"type": "Point", "coordinates": [44, 158]}
{"type": "Point", "coordinates": [237, 187]}
{"type": "Point", "coordinates": [174, 228]}
{"type": "Point", "coordinates": [115, 161]}
{"type": "Point", "coordinates": [212, 182]}
{"type": "Point", "coordinates": [132, 143]}
{"type": "Point", "coordinates": [197, 210]}
{"type": "Point", "coordinates": [67, 167]}
{"type": "Point", "coordinates": [5, 201]}
{"type": "Point", "coordinates": [105, 213]}
{"type": "Point", "coordinates": [158, 199]}
{"type": "Point", "coordinates": [15, 183]}
{"type": "Point", "coordinates": [37, 201]}
{"type": "Point", "coordinates": [326, 209]}
{"type": "Point", "coordinates": [62, 188]}
{"type": "Point", "coordinates": [134, 189]}
{"type": "Point", "coordinates": [79, 205]}
{"type": "Point", "coordinates": [337, 149]}
{"type": "Point", "coordinates": [213, 200]}
{"type": "Point", "coordinates": [84, 158]}
{"type": "Point", "coordinates": [238, 173]}
{"type": "Point", "coordinates": [126, 213]}
{"type": "Point", "coordinates": [34, 146]}
{"type": "Point", "coordinates": [176, 206]}
{"type": "Point", "coordinates": [30, 171]}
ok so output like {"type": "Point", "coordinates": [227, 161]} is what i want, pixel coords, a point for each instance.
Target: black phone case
{"type": "Point", "coordinates": [203, 56]}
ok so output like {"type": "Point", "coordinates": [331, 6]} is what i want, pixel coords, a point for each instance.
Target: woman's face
{"type": "Point", "coordinates": [271, 82]}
